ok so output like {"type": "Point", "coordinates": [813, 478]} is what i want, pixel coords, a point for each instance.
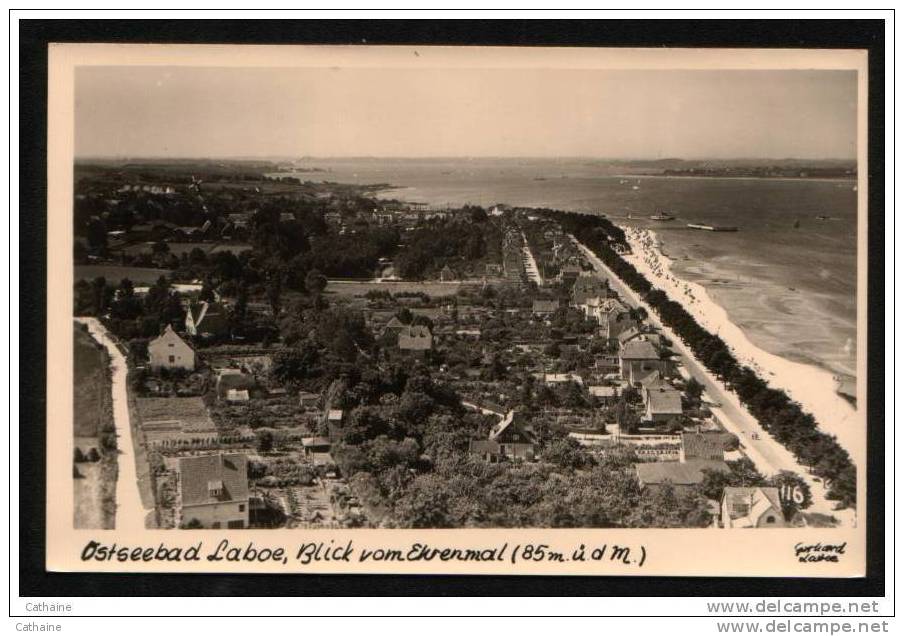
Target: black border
{"type": "Point", "coordinates": [34, 35]}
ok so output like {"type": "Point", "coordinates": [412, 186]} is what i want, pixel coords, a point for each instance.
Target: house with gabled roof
{"type": "Point", "coordinates": [636, 359]}
{"type": "Point", "coordinates": [170, 351]}
{"type": "Point", "coordinates": [586, 286]}
{"type": "Point", "coordinates": [415, 338]}
{"type": "Point", "coordinates": [543, 307]}
{"type": "Point", "coordinates": [308, 400]}
{"type": "Point", "coordinates": [752, 507]}
{"type": "Point", "coordinates": [393, 328]}
{"type": "Point", "coordinates": [662, 403]}
{"type": "Point", "coordinates": [569, 273]}
{"type": "Point", "coordinates": [214, 490]}
{"type": "Point", "coordinates": [701, 446]}
{"type": "Point", "coordinates": [207, 320]}
{"type": "Point", "coordinates": [629, 333]}
{"type": "Point", "coordinates": [509, 439]}
{"type": "Point", "coordinates": [682, 476]}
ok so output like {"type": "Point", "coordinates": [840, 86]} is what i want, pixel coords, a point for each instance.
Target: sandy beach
{"type": "Point", "coordinates": [812, 387]}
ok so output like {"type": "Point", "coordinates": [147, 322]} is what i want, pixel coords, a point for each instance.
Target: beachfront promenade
{"type": "Point", "coordinates": [766, 453]}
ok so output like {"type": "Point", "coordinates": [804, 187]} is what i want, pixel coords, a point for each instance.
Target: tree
{"type": "Point", "coordinates": [296, 363]}
{"type": "Point", "coordinates": [425, 504]}
{"type": "Point", "coordinates": [274, 292]}
{"type": "Point", "coordinates": [405, 316]}
{"type": "Point", "coordinates": [794, 493]}
{"type": "Point", "coordinates": [744, 473]}
{"type": "Point", "coordinates": [714, 483]}
{"type": "Point", "coordinates": [97, 235]}
{"type": "Point", "coordinates": [206, 291]}
{"type": "Point", "coordinates": [478, 214]}
{"type": "Point", "coordinates": [264, 441]}
{"type": "Point", "coordinates": [694, 389]}
{"type": "Point", "coordinates": [566, 452]}
{"type": "Point", "coordinates": [315, 282]}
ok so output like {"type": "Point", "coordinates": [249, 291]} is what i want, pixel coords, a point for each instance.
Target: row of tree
{"type": "Point", "coordinates": [775, 411]}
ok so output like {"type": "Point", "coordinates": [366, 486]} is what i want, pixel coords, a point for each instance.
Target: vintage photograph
{"type": "Point", "coordinates": [464, 298]}
{"type": "Point", "coordinates": [461, 309]}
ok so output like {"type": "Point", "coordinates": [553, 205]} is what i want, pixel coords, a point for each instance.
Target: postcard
{"type": "Point", "coordinates": [471, 310]}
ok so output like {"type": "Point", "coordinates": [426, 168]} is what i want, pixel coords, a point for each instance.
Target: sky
{"type": "Point", "coordinates": [331, 112]}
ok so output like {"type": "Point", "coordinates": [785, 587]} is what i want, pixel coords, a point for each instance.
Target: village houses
{"type": "Point", "coordinates": [587, 286]}
{"type": "Point", "coordinates": [214, 490]}
{"type": "Point", "coordinates": [169, 351]}
{"type": "Point", "coordinates": [509, 439]}
{"type": "Point", "coordinates": [756, 507]}
{"type": "Point", "coordinates": [636, 359]}
{"type": "Point", "coordinates": [415, 338]}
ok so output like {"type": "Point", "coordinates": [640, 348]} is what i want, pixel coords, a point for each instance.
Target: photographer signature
{"type": "Point", "coordinates": [818, 552]}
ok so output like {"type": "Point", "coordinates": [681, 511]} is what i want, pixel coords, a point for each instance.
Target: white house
{"type": "Point", "coordinates": [752, 508]}
{"type": "Point", "coordinates": [214, 490]}
{"type": "Point", "coordinates": [169, 351]}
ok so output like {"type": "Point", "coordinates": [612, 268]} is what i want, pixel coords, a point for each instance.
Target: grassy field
{"type": "Point", "coordinates": [115, 273]}
{"type": "Point", "coordinates": [89, 512]}
{"type": "Point", "coordinates": [359, 288]}
{"type": "Point", "coordinates": [93, 401]}
{"type": "Point", "coordinates": [95, 484]}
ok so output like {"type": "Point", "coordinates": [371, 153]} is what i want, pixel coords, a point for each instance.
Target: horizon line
{"type": "Point", "coordinates": [463, 157]}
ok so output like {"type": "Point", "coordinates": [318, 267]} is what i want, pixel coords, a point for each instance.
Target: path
{"type": "Point", "coordinates": [765, 452]}
{"type": "Point", "coordinates": [130, 512]}
{"type": "Point", "coordinates": [530, 264]}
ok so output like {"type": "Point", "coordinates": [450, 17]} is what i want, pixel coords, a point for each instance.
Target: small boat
{"type": "Point", "coordinates": [662, 216]}
{"type": "Point", "coordinates": [796, 224]}
{"type": "Point", "coordinates": [635, 187]}
{"type": "Point", "coordinates": [713, 228]}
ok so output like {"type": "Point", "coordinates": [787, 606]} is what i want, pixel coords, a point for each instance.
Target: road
{"type": "Point", "coordinates": [766, 453]}
{"type": "Point", "coordinates": [130, 512]}
{"type": "Point", "coordinates": [530, 264]}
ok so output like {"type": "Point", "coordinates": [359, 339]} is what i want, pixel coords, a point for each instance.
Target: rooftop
{"type": "Point", "coordinates": [662, 400]}
{"type": "Point", "coordinates": [229, 472]}
{"type": "Point", "coordinates": [638, 350]}
{"type": "Point", "coordinates": [678, 473]}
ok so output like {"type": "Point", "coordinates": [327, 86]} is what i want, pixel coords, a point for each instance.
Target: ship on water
{"type": "Point", "coordinates": [713, 228]}
{"type": "Point", "coordinates": [662, 216]}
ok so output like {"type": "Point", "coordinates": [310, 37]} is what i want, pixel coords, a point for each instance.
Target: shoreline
{"type": "Point", "coordinates": [851, 180]}
{"type": "Point", "coordinates": [813, 387]}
